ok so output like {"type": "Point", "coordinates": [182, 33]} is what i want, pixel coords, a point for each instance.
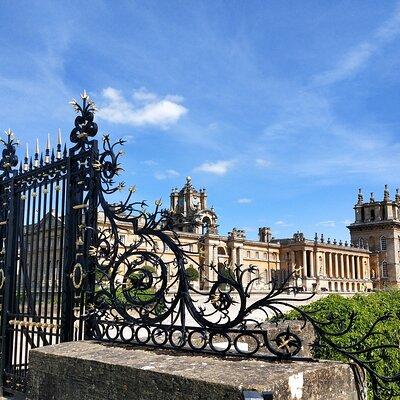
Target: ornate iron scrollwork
{"type": "Point", "coordinates": [9, 158]}
{"type": "Point", "coordinates": [2, 278]}
{"type": "Point", "coordinates": [77, 276]}
{"type": "Point", "coordinates": [143, 295]}
{"type": "Point", "coordinates": [84, 125]}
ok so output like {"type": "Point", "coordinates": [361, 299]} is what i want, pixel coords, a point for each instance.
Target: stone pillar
{"type": "Point", "coordinates": [358, 266]}
{"type": "Point", "coordinates": [347, 258]}
{"type": "Point", "coordinates": [342, 275]}
{"type": "Point", "coordinates": [233, 257]}
{"type": "Point", "coordinates": [324, 269]}
{"type": "Point", "coordinates": [214, 275]}
{"type": "Point", "coordinates": [239, 254]}
{"type": "Point", "coordinates": [367, 269]}
{"type": "Point", "coordinates": [353, 268]}
{"type": "Point", "coordinates": [312, 265]}
{"type": "Point", "coordinates": [304, 263]}
{"type": "Point", "coordinates": [336, 265]}
{"type": "Point", "coordinates": [292, 260]}
{"type": "Point", "coordinates": [330, 268]}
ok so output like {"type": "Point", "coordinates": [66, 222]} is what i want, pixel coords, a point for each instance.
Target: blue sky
{"type": "Point", "coordinates": [281, 109]}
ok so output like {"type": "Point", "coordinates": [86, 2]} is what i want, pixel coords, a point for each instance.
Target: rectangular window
{"type": "Point", "coordinates": [257, 254]}
{"type": "Point", "coordinates": [248, 254]}
{"type": "Point", "coordinates": [122, 239]}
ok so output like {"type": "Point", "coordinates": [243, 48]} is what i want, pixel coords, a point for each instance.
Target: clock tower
{"type": "Point", "coordinates": [190, 211]}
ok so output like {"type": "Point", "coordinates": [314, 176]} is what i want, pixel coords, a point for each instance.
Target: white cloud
{"type": "Point", "coordinates": [217, 168]}
{"type": "Point", "coordinates": [145, 109]}
{"type": "Point", "coordinates": [327, 224]}
{"type": "Point", "coordinates": [357, 57]}
{"type": "Point", "coordinates": [244, 201]}
{"type": "Point", "coordinates": [262, 162]}
{"type": "Point", "coordinates": [150, 163]}
{"type": "Point", "coordinates": [167, 174]}
{"type": "Point", "coordinates": [283, 223]}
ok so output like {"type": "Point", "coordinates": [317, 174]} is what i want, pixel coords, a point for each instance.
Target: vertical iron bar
{"type": "Point", "coordinates": [27, 284]}
{"type": "Point", "coordinates": [42, 252]}
{"type": "Point", "coordinates": [69, 247]}
{"type": "Point", "coordinates": [7, 343]}
{"type": "Point", "coordinates": [54, 257]}
{"type": "Point", "coordinates": [24, 260]}
{"type": "Point", "coordinates": [19, 272]}
{"type": "Point", "coordinates": [61, 264]}
{"type": "Point", "coordinates": [36, 234]}
{"type": "Point", "coordinates": [91, 221]}
{"type": "Point", "coordinates": [49, 232]}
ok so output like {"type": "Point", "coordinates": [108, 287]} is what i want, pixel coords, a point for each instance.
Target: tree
{"type": "Point", "coordinates": [191, 273]}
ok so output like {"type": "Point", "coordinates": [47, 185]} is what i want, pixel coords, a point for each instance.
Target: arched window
{"type": "Point", "coordinates": [221, 251]}
{"type": "Point", "coordinates": [361, 242]}
{"type": "Point", "coordinates": [384, 269]}
{"type": "Point", "coordinates": [383, 243]}
{"type": "Point", "coordinates": [206, 225]}
{"type": "Point", "coordinates": [372, 215]}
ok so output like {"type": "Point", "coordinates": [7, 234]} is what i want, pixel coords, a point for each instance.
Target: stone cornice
{"type": "Point", "coordinates": [373, 224]}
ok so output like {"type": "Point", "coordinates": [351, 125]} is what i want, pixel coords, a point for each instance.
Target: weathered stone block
{"type": "Point", "coordinates": [94, 371]}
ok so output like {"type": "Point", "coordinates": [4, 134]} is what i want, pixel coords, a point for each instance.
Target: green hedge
{"type": "Point", "coordinates": [367, 307]}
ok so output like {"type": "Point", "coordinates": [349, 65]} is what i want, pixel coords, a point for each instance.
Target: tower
{"type": "Point", "coordinates": [377, 227]}
{"type": "Point", "coordinates": [190, 211]}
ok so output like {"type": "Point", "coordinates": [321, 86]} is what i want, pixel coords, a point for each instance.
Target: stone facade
{"type": "Point", "coordinates": [326, 266]}
{"type": "Point", "coordinates": [377, 228]}
{"type": "Point", "coordinates": [322, 265]}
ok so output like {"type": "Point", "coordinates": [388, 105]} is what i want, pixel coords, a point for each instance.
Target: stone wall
{"type": "Point", "coordinates": [94, 371]}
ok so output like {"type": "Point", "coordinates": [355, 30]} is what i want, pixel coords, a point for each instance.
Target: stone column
{"type": "Point", "coordinates": [342, 275]}
{"type": "Point", "coordinates": [239, 254]}
{"type": "Point", "coordinates": [324, 269]}
{"type": "Point", "coordinates": [368, 270]}
{"type": "Point", "coordinates": [233, 256]}
{"type": "Point", "coordinates": [353, 268]}
{"type": "Point", "coordinates": [330, 269]}
{"type": "Point", "coordinates": [292, 260]}
{"type": "Point", "coordinates": [312, 265]}
{"type": "Point", "coordinates": [304, 263]}
{"type": "Point", "coordinates": [214, 275]}
{"type": "Point", "coordinates": [347, 266]}
{"type": "Point", "coordinates": [336, 265]}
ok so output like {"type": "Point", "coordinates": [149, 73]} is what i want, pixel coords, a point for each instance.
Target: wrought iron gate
{"type": "Point", "coordinates": [45, 206]}
{"type": "Point", "coordinates": [66, 274]}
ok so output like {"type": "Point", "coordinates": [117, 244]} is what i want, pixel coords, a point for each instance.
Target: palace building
{"type": "Point", "coordinates": [323, 265]}
{"type": "Point", "coordinates": [377, 228]}
{"type": "Point", "coordinates": [370, 260]}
